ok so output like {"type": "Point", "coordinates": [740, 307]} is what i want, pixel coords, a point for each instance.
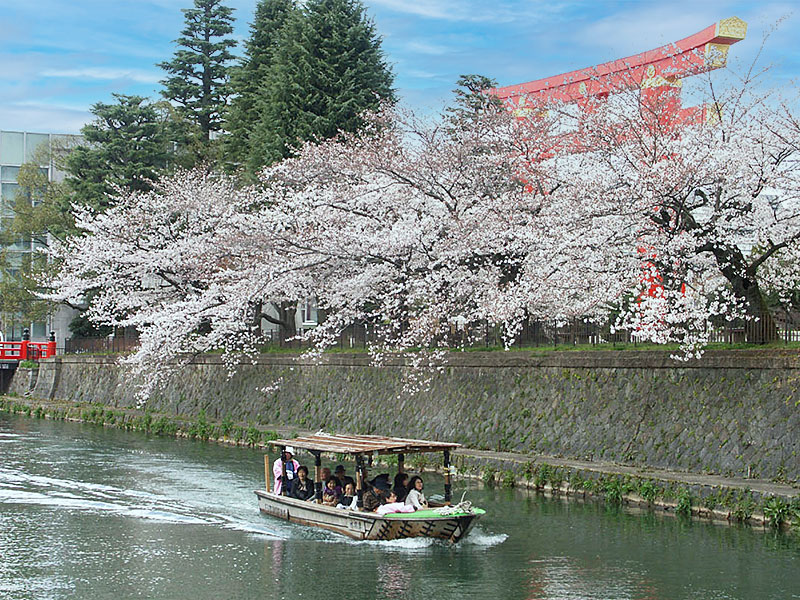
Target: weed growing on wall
{"type": "Point", "coordinates": [776, 512]}
{"type": "Point", "coordinates": [744, 507]}
{"type": "Point", "coordinates": [683, 506]}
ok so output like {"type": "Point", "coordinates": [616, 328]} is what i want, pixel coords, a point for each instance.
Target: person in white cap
{"type": "Point", "coordinates": [291, 469]}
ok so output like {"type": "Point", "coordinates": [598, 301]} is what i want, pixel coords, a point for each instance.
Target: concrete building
{"type": "Point", "coordinates": [18, 148]}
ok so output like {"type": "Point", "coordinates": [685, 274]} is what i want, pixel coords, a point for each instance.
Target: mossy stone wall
{"type": "Point", "coordinates": [733, 412]}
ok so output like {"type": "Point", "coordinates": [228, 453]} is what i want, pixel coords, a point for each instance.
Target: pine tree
{"type": "Point", "coordinates": [127, 145]}
{"type": "Point", "coordinates": [199, 72]}
{"type": "Point", "coordinates": [250, 81]}
{"type": "Point", "coordinates": [328, 69]}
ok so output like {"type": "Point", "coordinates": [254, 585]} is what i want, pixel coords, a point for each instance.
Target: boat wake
{"type": "Point", "coordinates": [478, 537]}
{"type": "Point", "coordinates": [60, 494]}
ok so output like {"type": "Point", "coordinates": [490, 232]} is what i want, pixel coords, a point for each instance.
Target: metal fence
{"type": "Point", "coordinates": [780, 328]}
{"type": "Point", "coordinates": [101, 345]}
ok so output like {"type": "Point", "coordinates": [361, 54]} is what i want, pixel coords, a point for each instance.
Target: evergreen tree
{"type": "Point", "coordinates": [472, 99]}
{"type": "Point", "coordinates": [328, 69]}
{"type": "Point", "coordinates": [127, 146]}
{"type": "Point", "coordinates": [199, 72]}
{"type": "Point", "coordinates": [250, 81]}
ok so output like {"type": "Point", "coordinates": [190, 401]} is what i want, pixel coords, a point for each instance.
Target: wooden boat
{"type": "Point", "coordinates": [442, 521]}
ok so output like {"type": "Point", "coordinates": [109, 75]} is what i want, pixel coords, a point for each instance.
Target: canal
{"type": "Point", "coordinates": [94, 513]}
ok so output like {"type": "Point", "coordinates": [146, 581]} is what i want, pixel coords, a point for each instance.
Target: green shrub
{"type": "Point", "coordinates": [164, 426]}
{"type": "Point", "coordinates": [613, 491]}
{"type": "Point", "coordinates": [556, 479]}
{"type": "Point", "coordinates": [253, 436]}
{"type": "Point", "coordinates": [710, 501]}
{"type": "Point", "coordinates": [508, 480]}
{"type": "Point", "coordinates": [684, 503]}
{"type": "Point", "coordinates": [744, 507]}
{"type": "Point", "coordinates": [590, 485]}
{"type": "Point", "coordinates": [528, 469]}
{"type": "Point", "coordinates": [226, 426]}
{"type": "Point", "coordinates": [39, 412]}
{"type": "Point", "coordinates": [794, 511]}
{"type": "Point", "coordinates": [575, 481]}
{"type": "Point", "coordinates": [776, 512]}
{"type": "Point", "coordinates": [647, 490]}
{"type": "Point", "coordinates": [488, 476]}
{"type": "Point", "coordinates": [201, 429]}
{"type": "Point", "coordinates": [542, 476]}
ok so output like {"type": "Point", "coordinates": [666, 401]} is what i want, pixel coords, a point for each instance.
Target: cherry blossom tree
{"type": "Point", "coordinates": [167, 262]}
{"type": "Point", "coordinates": [423, 229]}
{"type": "Point", "coordinates": [715, 201]}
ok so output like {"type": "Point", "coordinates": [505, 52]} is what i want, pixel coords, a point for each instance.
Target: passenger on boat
{"type": "Point", "coordinates": [343, 477]}
{"type": "Point", "coordinates": [331, 495]}
{"type": "Point", "coordinates": [302, 487]}
{"type": "Point", "coordinates": [393, 506]}
{"type": "Point", "coordinates": [400, 486]}
{"type": "Point", "coordinates": [349, 500]}
{"type": "Point", "coordinates": [291, 470]}
{"type": "Point", "coordinates": [383, 481]}
{"type": "Point", "coordinates": [326, 474]}
{"type": "Point", "coordinates": [415, 496]}
{"type": "Point", "coordinates": [376, 494]}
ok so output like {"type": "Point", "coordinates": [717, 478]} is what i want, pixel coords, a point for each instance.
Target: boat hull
{"type": "Point", "coordinates": [363, 525]}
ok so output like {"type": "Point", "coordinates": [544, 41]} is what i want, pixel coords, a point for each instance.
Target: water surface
{"type": "Point", "coordinates": [94, 513]}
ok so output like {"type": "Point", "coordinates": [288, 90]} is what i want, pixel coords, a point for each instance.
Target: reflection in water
{"type": "Point", "coordinates": [393, 579]}
{"type": "Point", "coordinates": [87, 512]}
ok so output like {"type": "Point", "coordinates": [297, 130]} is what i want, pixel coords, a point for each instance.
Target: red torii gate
{"type": "Point", "coordinates": [658, 73]}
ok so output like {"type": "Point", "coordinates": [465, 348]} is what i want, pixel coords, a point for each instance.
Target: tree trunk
{"type": "Point", "coordinates": [287, 312]}
{"type": "Point", "coordinates": [285, 319]}
{"type": "Point", "coordinates": [760, 328]}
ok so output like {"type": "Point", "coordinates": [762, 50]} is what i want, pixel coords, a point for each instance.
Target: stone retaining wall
{"type": "Point", "coordinates": [735, 413]}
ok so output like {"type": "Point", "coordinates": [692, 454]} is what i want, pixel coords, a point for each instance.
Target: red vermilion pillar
{"type": "Point", "coordinates": [23, 347]}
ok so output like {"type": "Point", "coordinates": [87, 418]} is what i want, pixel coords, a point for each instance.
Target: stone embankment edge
{"type": "Point", "coordinates": [735, 413]}
{"type": "Point", "coordinates": [759, 503]}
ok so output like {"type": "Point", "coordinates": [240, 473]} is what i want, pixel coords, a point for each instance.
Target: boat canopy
{"type": "Point", "coordinates": [364, 444]}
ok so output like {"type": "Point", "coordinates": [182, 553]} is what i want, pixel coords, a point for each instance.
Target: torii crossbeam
{"type": "Point", "coordinates": [656, 72]}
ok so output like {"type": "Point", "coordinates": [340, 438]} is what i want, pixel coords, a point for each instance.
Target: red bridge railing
{"type": "Point", "coordinates": [28, 350]}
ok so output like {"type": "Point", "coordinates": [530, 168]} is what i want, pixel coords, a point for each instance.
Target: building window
{"type": "Point", "coordinates": [37, 148]}
{"type": "Point", "coordinates": [309, 312]}
{"type": "Point", "coordinates": [9, 174]}
{"type": "Point", "coordinates": [12, 147]}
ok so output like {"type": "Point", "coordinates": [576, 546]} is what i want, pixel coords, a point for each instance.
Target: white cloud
{"type": "Point", "coordinates": [419, 73]}
{"type": "Point", "coordinates": [105, 74]}
{"type": "Point", "coordinates": [423, 47]}
{"type": "Point", "coordinates": [476, 11]}
{"type": "Point", "coordinates": [43, 118]}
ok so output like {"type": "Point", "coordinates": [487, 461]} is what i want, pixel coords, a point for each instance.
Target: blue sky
{"type": "Point", "coordinates": [59, 57]}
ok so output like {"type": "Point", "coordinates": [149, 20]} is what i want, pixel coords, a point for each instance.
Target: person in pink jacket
{"type": "Point", "coordinates": [291, 470]}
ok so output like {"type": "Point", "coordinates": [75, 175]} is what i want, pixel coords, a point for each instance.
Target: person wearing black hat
{"type": "Point", "coordinates": [376, 494]}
